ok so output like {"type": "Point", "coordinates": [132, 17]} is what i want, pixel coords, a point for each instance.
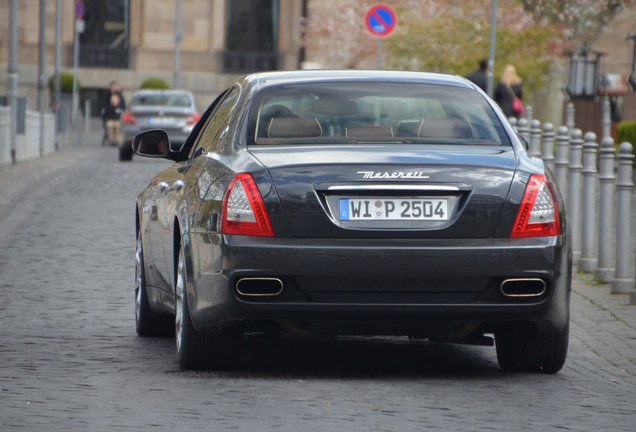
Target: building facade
{"type": "Point", "coordinates": [132, 40]}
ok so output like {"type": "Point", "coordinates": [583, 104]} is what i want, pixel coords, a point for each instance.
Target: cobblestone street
{"type": "Point", "coordinates": [70, 359]}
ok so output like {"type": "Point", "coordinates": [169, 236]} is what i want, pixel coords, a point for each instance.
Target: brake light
{"type": "Point", "coordinates": [128, 118]}
{"type": "Point", "coordinates": [538, 214]}
{"type": "Point", "coordinates": [193, 119]}
{"type": "Point", "coordinates": [243, 211]}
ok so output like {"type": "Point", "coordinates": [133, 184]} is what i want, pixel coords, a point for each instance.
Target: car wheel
{"type": "Point", "coordinates": [125, 152]}
{"type": "Point", "coordinates": [147, 323]}
{"type": "Point", "coordinates": [521, 347]}
{"type": "Point", "coordinates": [219, 350]}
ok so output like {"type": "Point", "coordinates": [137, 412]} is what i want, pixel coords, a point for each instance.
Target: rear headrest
{"type": "Point", "coordinates": [283, 127]}
{"type": "Point", "coordinates": [408, 128]}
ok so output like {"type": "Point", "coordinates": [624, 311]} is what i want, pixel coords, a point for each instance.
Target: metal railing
{"type": "Point", "coordinates": [597, 185]}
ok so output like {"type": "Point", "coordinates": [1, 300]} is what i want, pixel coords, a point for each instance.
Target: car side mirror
{"type": "Point", "coordinates": [153, 143]}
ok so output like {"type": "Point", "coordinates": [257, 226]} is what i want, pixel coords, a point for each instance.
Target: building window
{"type": "Point", "coordinates": [104, 42]}
{"type": "Point", "coordinates": [252, 35]}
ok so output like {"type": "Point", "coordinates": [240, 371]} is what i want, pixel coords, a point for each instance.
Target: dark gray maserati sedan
{"type": "Point", "coordinates": [335, 203]}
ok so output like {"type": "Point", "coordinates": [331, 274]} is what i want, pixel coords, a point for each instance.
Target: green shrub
{"type": "Point", "coordinates": [626, 131]}
{"type": "Point", "coordinates": [154, 83]}
{"type": "Point", "coordinates": [66, 82]}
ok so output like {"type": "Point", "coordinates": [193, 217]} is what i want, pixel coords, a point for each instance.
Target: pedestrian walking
{"type": "Point", "coordinates": [114, 88]}
{"type": "Point", "coordinates": [112, 114]}
{"type": "Point", "coordinates": [480, 76]}
{"type": "Point", "coordinates": [509, 92]}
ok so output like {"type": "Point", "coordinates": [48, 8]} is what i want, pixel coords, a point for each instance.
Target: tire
{"type": "Point", "coordinates": [522, 348]}
{"type": "Point", "coordinates": [199, 350]}
{"type": "Point", "coordinates": [147, 323]}
{"type": "Point", "coordinates": [125, 152]}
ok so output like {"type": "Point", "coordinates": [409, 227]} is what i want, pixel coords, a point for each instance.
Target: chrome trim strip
{"type": "Point", "coordinates": [392, 187]}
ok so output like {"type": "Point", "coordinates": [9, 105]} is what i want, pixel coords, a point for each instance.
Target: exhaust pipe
{"type": "Point", "coordinates": [259, 287]}
{"type": "Point", "coordinates": [523, 287]}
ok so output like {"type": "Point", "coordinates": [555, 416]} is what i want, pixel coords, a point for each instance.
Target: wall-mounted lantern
{"type": "Point", "coordinates": [584, 73]}
{"type": "Point", "coordinates": [632, 75]}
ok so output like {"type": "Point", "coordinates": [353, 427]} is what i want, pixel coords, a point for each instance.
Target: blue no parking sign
{"type": "Point", "coordinates": [380, 20]}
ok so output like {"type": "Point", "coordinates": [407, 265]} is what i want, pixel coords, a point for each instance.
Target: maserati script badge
{"type": "Point", "coordinates": [393, 175]}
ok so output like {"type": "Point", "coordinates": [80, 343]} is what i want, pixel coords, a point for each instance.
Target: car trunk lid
{"type": "Point", "coordinates": [380, 191]}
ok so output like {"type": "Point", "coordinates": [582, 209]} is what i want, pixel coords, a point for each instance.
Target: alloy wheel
{"type": "Point", "coordinates": [179, 293]}
{"type": "Point", "coordinates": [138, 278]}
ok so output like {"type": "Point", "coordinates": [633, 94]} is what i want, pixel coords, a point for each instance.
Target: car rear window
{"type": "Point", "coordinates": [338, 112]}
{"type": "Point", "coordinates": [163, 99]}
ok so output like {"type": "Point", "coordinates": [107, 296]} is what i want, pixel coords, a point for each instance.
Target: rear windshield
{"type": "Point", "coordinates": [372, 111]}
{"type": "Point", "coordinates": [163, 99]}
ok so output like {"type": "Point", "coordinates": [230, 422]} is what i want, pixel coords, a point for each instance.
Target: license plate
{"type": "Point", "coordinates": [435, 209]}
{"type": "Point", "coordinates": [160, 120]}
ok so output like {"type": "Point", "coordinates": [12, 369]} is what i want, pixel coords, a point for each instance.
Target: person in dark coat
{"type": "Point", "coordinates": [480, 76]}
{"type": "Point", "coordinates": [509, 88]}
{"type": "Point", "coordinates": [114, 88]}
{"type": "Point", "coordinates": [111, 115]}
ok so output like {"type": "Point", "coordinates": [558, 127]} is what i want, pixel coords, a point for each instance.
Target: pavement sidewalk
{"type": "Point", "coordinates": [18, 179]}
{"type": "Point", "coordinates": [599, 296]}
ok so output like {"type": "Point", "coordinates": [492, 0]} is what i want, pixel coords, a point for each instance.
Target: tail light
{"type": "Point", "coordinates": [193, 119]}
{"type": "Point", "coordinates": [243, 211]}
{"type": "Point", "coordinates": [128, 118]}
{"type": "Point", "coordinates": [538, 214]}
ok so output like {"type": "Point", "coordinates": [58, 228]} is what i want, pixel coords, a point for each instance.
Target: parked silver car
{"type": "Point", "coordinates": [173, 111]}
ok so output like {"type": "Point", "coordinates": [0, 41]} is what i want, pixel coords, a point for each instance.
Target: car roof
{"type": "Point", "coordinates": [264, 79]}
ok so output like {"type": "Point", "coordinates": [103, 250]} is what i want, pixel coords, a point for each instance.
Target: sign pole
{"type": "Point", "coordinates": [380, 21]}
{"type": "Point", "coordinates": [75, 62]}
{"type": "Point", "coordinates": [41, 67]}
{"type": "Point", "coordinates": [57, 84]}
{"type": "Point", "coordinates": [177, 46]}
{"type": "Point", "coordinates": [79, 29]}
{"type": "Point", "coordinates": [12, 77]}
{"type": "Point", "coordinates": [491, 52]}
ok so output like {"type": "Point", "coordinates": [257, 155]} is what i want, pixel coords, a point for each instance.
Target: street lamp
{"type": "Point", "coordinates": [584, 71]}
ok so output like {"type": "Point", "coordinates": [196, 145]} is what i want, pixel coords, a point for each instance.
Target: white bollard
{"type": "Point", "coordinates": [622, 282]}
{"type": "Point", "coordinates": [547, 146]}
{"type": "Point", "coordinates": [574, 191]}
{"type": "Point", "coordinates": [604, 270]}
{"type": "Point", "coordinates": [587, 262]}
{"type": "Point", "coordinates": [561, 162]}
{"type": "Point", "coordinates": [535, 139]}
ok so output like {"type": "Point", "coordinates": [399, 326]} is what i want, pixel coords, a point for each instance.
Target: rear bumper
{"type": "Point", "coordinates": [383, 282]}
